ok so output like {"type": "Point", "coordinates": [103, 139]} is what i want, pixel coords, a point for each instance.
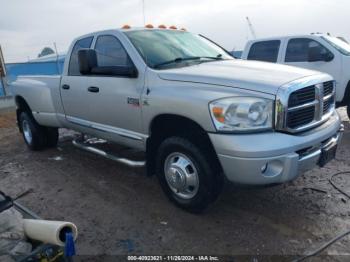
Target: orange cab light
{"type": "Point", "coordinates": [149, 26]}
{"type": "Point", "coordinates": [173, 27]}
{"type": "Point", "coordinates": [126, 27]}
{"type": "Point", "coordinates": [162, 26]}
{"type": "Point", "coordinates": [183, 29]}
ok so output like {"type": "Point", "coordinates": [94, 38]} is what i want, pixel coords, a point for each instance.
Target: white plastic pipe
{"type": "Point", "coordinates": [51, 232]}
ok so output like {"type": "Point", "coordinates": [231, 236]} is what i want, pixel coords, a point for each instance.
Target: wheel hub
{"type": "Point", "coordinates": [27, 132]}
{"type": "Point", "coordinates": [177, 178]}
{"type": "Point", "coordinates": [181, 175]}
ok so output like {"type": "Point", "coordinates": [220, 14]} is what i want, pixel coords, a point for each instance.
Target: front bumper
{"type": "Point", "coordinates": [274, 157]}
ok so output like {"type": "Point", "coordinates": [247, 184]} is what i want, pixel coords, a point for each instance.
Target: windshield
{"type": "Point", "coordinates": [339, 44]}
{"type": "Point", "coordinates": [174, 48]}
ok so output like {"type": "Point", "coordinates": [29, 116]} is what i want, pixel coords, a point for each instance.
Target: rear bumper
{"type": "Point", "coordinates": [274, 157]}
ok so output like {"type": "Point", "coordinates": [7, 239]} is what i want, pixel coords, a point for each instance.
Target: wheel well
{"type": "Point", "coordinates": [164, 126]}
{"type": "Point", "coordinates": [22, 106]}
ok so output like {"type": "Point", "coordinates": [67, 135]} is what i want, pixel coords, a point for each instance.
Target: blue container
{"type": "Point", "coordinates": [1, 89]}
{"type": "Point", "coordinates": [50, 66]}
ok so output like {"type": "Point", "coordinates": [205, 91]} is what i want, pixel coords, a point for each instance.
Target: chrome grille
{"type": "Point", "coordinates": [302, 96]}
{"type": "Point", "coordinates": [328, 87]}
{"type": "Point", "coordinates": [301, 107]}
{"type": "Point", "coordinates": [300, 117]}
{"type": "Point", "coordinates": [327, 104]}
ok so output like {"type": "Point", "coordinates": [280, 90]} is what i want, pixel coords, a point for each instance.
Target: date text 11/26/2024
{"type": "Point", "coordinates": [173, 258]}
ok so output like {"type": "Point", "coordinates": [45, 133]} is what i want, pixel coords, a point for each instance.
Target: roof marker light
{"type": "Point", "coordinates": [183, 29]}
{"type": "Point", "coordinates": [162, 26]}
{"type": "Point", "coordinates": [149, 26]}
{"type": "Point", "coordinates": [173, 27]}
{"type": "Point", "coordinates": [126, 27]}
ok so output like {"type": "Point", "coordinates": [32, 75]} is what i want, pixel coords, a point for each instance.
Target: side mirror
{"type": "Point", "coordinates": [328, 57]}
{"type": "Point", "coordinates": [87, 60]}
{"type": "Point", "coordinates": [126, 71]}
{"type": "Point", "coordinates": [88, 65]}
{"type": "Point", "coordinates": [315, 55]}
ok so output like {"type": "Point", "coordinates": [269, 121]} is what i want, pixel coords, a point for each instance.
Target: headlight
{"type": "Point", "coordinates": [242, 114]}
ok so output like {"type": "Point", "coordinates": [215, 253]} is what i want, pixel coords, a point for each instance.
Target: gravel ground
{"type": "Point", "coordinates": [119, 210]}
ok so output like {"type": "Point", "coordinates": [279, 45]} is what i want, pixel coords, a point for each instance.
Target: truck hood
{"type": "Point", "coordinates": [252, 75]}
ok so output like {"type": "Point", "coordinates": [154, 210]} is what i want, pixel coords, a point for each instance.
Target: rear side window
{"type": "Point", "coordinates": [73, 63]}
{"type": "Point", "coordinates": [298, 49]}
{"type": "Point", "coordinates": [110, 52]}
{"type": "Point", "coordinates": [265, 51]}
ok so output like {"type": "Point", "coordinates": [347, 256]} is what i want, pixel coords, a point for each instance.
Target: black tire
{"type": "Point", "coordinates": [52, 136]}
{"type": "Point", "coordinates": [37, 132]}
{"type": "Point", "coordinates": [348, 110]}
{"type": "Point", "coordinates": [39, 137]}
{"type": "Point", "coordinates": [210, 178]}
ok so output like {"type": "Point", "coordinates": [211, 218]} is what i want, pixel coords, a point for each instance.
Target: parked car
{"type": "Point", "coordinates": [319, 52]}
{"type": "Point", "coordinates": [201, 116]}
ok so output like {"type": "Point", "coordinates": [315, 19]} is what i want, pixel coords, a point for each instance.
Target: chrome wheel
{"type": "Point", "coordinates": [181, 175]}
{"type": "Point", "coordinates": [27, 132]}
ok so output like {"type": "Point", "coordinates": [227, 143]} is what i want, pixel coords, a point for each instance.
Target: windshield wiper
{"type": "Point", "coordinates": [218, 57]}
{"type": "Point", "coordinates": [177, 60]}
{"type": "Point", "coordinates": [181, 59]}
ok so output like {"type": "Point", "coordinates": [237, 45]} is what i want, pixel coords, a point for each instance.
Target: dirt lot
{"type": "Point", "coordinates": [119, 210]}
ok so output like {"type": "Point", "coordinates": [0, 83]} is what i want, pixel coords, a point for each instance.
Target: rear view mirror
{"type": "Point", "coordinates": [87, 60]}
{"type": "Point", "coordinates": [6, 202]}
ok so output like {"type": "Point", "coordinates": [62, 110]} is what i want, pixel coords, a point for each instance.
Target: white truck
{"type": "Point", "coordinates": [200, 116]}
{"type": "Point", "coordinates": [320, 52]}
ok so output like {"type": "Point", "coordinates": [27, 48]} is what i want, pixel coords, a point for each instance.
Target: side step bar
{"type": "Point", "coordinates": [80, 144]}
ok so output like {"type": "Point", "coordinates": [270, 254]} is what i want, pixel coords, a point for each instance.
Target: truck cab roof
{"type": "Point", "coordinates": [316, 35]}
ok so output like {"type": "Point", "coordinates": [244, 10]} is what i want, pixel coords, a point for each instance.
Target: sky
{"type": "Point", "coordinates": [28, 26]}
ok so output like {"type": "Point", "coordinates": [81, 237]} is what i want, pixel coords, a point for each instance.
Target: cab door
{"type": "Point", "coordinates": [75, 97]}
{"type": "Point", "coordinates": [116, 100]}
{"type": "Point", "coordinates": [302, 52]}
{"type": "Point", "coordinates": [266, 51]}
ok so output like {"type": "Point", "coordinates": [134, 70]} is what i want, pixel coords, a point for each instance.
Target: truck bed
{"type": "Point", "coordinates": [42, 94]}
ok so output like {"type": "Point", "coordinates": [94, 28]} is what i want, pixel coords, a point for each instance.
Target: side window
{"type": "Point", "coordinates": [265, 51]}
{"type": "Point", "coordinates": [73, 62]}
{"type": "Point", "coordinates": [298, 49]}
{"type": "Point", "coordinates": [110, 52]}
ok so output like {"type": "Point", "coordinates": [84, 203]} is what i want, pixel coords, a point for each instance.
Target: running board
{"type": "Point", "coordinates": [125, 161]}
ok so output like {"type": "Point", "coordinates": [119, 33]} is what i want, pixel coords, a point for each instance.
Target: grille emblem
{"type": "Point", "coordinates": [319, 98]}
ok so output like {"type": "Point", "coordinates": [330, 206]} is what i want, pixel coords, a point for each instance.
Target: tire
{"type": "Point", "coordinates": [37, 137]}
{"type": "Point", "coordinates": [187, 174]}
{"type": "Point", "coordinates": [348, 110]}
{"type": "Point", "coordinates": [52, 136]}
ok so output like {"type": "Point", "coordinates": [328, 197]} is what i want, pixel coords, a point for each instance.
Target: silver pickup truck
{"type": "Point", "coordinates": [200, 116]}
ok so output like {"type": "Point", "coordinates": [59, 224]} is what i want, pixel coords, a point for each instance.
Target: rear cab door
{"type": "Point", "coordinates": [269, 50]}
{"type": "Point", "coordinates": [75, 98]}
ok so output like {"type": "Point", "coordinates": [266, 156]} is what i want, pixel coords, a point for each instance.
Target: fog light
{"type": "Point", "coordinates": [264, 168]}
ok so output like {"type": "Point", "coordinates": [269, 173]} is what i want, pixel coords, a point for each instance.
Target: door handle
{"type": "Point", "coordinates": [93, 89]}
{"type": "Point", "coordinates": [65, 87]}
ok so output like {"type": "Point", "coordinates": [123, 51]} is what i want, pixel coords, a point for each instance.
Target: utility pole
{"type": "Point", "coordinates": [251, 28]}
{"type": "Point", "coordinates": [2, 71]}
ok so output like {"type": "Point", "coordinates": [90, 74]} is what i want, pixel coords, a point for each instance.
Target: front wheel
{"type": "Point", "coordinates": [187, 175]}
